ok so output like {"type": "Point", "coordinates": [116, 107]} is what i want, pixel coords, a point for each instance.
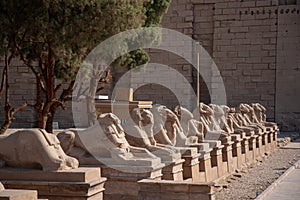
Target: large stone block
{"type": "Point", "coordinates": [172, 190]}
{"type": "Point", "coordinates": [76, 184]}
{"type": "Point", "coordinates": [124, 185]}
{"type": "Point", "coordinates": [18, 195]}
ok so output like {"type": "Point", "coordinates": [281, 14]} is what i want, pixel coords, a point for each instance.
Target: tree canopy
{"type": "Point", "coordinates": [58, 34]}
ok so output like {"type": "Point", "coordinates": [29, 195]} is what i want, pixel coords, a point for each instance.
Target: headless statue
{"type": "Point", "coordinates": [34, 149]}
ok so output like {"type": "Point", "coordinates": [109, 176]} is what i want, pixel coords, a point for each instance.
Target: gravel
{"type": "Point", "coordinates": [260, 177]}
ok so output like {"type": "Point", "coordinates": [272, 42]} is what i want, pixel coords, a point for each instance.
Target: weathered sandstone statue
{"type": "Point", "coordinates": [227, 124]}
{"type": "Point", "coordinates": [107, 143]}
{"type": "Point", "coordinates": [148, 123]}
{"type": "Point", "coordinates": [234, 118]}
{"type": "Point", "coordinates": [260, 113]}
{"type": "Point", "coordinates": [1, 187]}
{"type": "Point", "coordinates": [242, 114]}
{"type": "Point", "coordinates": [138, 137]}
{"type": "Point", "coordinates": [191, 127]}
{"type": "Point", "coordinates": [211, 117]}
{"type": "Point", "coordinates": [35, 149]}
{"type": "Point", "coordinates": [167, 128]}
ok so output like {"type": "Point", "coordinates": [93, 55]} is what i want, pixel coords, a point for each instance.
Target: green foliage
{"type": "Point", "coordinates": [73, 27]}
{"type": "Point", "coordinates": [154, 11]}
{"type": "Point", "coordinates": [134, 59]}
{"type": "Point", "coordinates": [70, 28]}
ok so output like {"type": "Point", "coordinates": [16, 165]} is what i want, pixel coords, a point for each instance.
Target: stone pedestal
{"type": "Point", "coordinates": [217, 160]}
{"type": "Point", "coordinates": [252, 148]}
{"type": "Point", "coordinates": [274, 141]}
{"type": "Point", "coordinates": [207, 172]}
{"type": "Point", "coordinates": [237, 151]}
{"type": "Point", "coordinates": [245, 151]}
{"type": "Point", "coordinates": [18, 195]}
{"type": "Point", "coordinates": [227, 156]}
{"type": "Point", "coordinates": [173, 171]}
{"type": "Point", "coordinates": [265, 142]}
{"type": "Point", "coordinates": [175, 190]}
{"type": "Point", "coordinates": [269, 137]}
{"type": "Point", "coordinates": [259, 147]}
{"type": "Point", "coordinates": [246, 154]}
{"type": "Point", "coordinates": [75, 184]}
{"type": "Point", "coordinates": [191, 164]}
{"type": "Point", "coordinates": [124, 185]}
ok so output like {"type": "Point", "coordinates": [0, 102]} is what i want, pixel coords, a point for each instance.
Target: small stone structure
{"type": "Point", "coordinates": [37, 162]}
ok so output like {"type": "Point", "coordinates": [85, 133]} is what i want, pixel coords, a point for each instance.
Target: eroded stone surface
{"type": "Point", "coordinates": [36, 149]}
{"type": "Point", "coordinates": [1, 186]}
{"type": "Point", "coordinates": [106, 143]}
{"type": "Point", "coordinates": [138, 137]}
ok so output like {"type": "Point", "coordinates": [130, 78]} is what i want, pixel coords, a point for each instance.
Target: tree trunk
{"type": "Point", "coordinates": [9, 115]}
{"type": "Point", "coordinates": [5, 126]}
{"type": "Point", "coordinates": [90, 98]}
{"type": "Point", "coordinates": [49, 123]}
{"type": "Point", "coordinates": [42, 120]}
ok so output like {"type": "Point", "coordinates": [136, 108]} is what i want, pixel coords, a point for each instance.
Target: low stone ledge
{"type": "Point", "coordinates": [171, 190]}
{"type": "Point", "coordinates": [18, 195]}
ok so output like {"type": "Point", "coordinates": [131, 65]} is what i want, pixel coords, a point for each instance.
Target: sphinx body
{"type": "Point", "coordinates": [137, 136]}
{"type": "Point", "coordinates": [242, 115]}
{"type": "Point", "coordinates": [260, 113]}
{"type": "Point", "coordinates": [168, 130]}
{"type": "Point", "coordinates": [35, 149]}
{"type": "Point", "coordinates": [213, 122]}
{"type": "Point", "coordinates": [104, 144]}
{"type": "Point", "coordinates": [190, 126]}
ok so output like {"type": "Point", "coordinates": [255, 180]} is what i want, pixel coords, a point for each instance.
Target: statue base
{"type": "Point", "coordinates": [173, 190]}
{"type": "Point", "coordinates": [18, 195]}
{"type": "Point", "coordinates": [124, 185]}
{"type": "Point", "coordinates": [75, 184]}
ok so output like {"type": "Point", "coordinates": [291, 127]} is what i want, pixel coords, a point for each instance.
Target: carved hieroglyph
{"type": "Point", "coordinates": [35, 149]}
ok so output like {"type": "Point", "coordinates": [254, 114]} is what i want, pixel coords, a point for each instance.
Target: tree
{"type": "Point", "coordinates": [58, 34]}
{"type": "Point", "coordinates": [8, 38]}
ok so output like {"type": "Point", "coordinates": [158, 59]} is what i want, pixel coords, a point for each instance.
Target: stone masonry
{"type": "Point", "coordinates": [254, 43]}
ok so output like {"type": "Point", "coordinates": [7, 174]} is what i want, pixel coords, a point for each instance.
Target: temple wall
{"type": "Point", "coordinates": [254, 43]}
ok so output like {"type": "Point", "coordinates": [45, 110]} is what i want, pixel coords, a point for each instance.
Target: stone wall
{"type": "Point", "coordinates": [254, 43]}
{"type": "Point", "coordinates": [22, 84]}
{"type": "Point", "coordinates": [22, 89]}
{"type": "Point", "coordinates": [288, 68]}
